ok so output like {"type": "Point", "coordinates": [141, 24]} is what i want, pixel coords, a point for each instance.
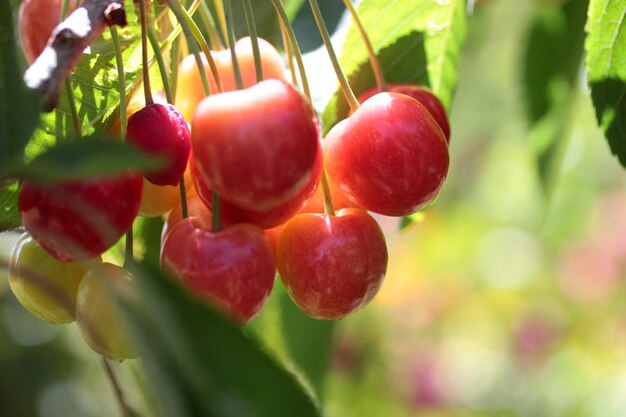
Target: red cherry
{"type": "Point", "coordinates": [160, 129]}
{"type": "Point", "coordinates": [256, 147]}
{"type": "Point", "coordinates": [37, 20]}
{"type": "Point", "coordinates": [389, 157]}
{"type": "Point", "coordinates": [195, 208]}
{"type": "Point", "coordinates": [232, 269]}
{"type": "Point", "coordinates": [332, 265]}
{"type": "Point", "coordinates": [231, 214]}
{"type": "Point", "coordinates": [79, 220]}
{"type": "Point", "coordinates": [421, 94]}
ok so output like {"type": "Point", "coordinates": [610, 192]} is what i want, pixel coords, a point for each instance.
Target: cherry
{"type": "Point", "coordinates": [161, 130]}
{"type": "Point", "coordinates": [195, 208]}
{"type": "Point", "coordinates": [45, 286]}
{"type": "Point", "coordinates": [159, 199]}
{"type": "Point", "coordinates": [256, 147]}
{"type": "Point", "coordinates": [267, 219]}
{"type": "Point", "coordinates": [37, 20]}
{"type": "Point", "coordinates": [97, 317]}
{"type": "Point", "coordinates": [421, 94]}
{"type": "Point", "coordinates": [232, 269]}
{"type": "Point", "coordinates": [80, 219]}
{"type": "Point", "coordinates": [389, 157]}
{"type": "Point", "coordinates": [189, 89]}
{"type": "Point", "coordinates": [332, 265]}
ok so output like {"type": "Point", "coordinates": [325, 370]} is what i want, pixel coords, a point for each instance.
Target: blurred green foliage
{"type": "Point", "coordinates": [505, 298]}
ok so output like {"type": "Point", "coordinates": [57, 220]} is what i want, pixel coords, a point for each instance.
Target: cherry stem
{"type": "Point", "coordinates": [68, 84]}
{"type": "Point", "coordinates": [231, 42]}
{"type": "Point", "coordinates": [144, 53]}
{"type": "Point", "coordinates": [154, 43]}
{"type": "Point", "coordinates": [128, 251]}
{"type": "Point", "coordinates": [328, 202]}
{"type": "Point", "coordinates": [217, 212]}
{"type": "Point", "coordinates": [175, 58]}
{"type": "Point", "coordinates": [192, 31]}
{"type": "Point", "coordinates": [117, 389]}
{"type": "Point", "coordinates": [288, 29]}
{"type": "Point", "coordinates": [341, 77]}
{"type": "Point", "coordinates": [73, 110]}
{"type": "Point", "coordinates": [64, 8]}
{"type": "Point", "coordinates": [284, 20]}
{"type": "Point", "coordinates": [258, 68]}
{"type": "Point", "coordinates": [183, 196]}
{"type": "Point", "coordinates": [209, 22]}
{"type": "Point", "coordinates": [376, 68]}
{"type": "Point", "coordinates": [221, 16]}
{"type": "Point", "coordinates": [288, 54]}
{"type": "Point", "coordinates": [119, 60]}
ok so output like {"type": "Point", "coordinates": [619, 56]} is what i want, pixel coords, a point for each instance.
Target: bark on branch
{"type": "Point", "coordinates": [66, 45]}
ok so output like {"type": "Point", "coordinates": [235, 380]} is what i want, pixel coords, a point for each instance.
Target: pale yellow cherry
{"type": "Point", "coordinates": [98, 317]}
{"type": "Point", "coordinates": [44, 285]}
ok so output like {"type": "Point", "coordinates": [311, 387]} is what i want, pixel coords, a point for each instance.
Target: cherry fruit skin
{"type": "Point", "coordinates": [45, 286]}
{"type": "Point", "coordinates": [78, 220]}
{"type": "Point", "coordinates": [189, 89]}
{"type": "Point", "coordinates": [160, 129]}
{"type": "Point", "coordinates": [232, 214]}
{"type": "Point", "coordinates": [195, 208]}
{"type": "Point", "coordinates": [421, 94]}
{"type": "Point", "coordinates": [37, 20]}
{"type": "Point", "coordinates": [232, 269]}
{"type": "Point", "coordinates": [256, 147]}
{"type": "Point", "coordinates": [98, 318]}
{"type": "Point", "coordinates": [389, 157]}
{"type": "Point", "coordinates": [332, 265]}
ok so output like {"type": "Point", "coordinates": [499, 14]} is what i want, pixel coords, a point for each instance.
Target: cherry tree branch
{"type": "Point", "coordinates": [66, 45]}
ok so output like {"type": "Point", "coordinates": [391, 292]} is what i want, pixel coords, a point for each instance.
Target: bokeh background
{"type": "Point", "coordinates": [505, 298]}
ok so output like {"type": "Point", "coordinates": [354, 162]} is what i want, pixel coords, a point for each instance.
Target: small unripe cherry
{"type": "Point", "coordinates": [161, 130]}
{"type": "Point", "coordinates": [42, 284]}
{"type": "Point", "coordinates": [97, 316]}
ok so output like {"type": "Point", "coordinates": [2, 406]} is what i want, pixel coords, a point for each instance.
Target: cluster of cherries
{"type": "Point", "coordinates": [256, 160]}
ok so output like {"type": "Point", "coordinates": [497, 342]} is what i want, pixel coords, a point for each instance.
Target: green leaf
{"type": "Point", "coordinates": [9, 213]}
{"type": "Point", "coordinates": [552, 55]}
{"type": "Point", "coordinates": [416, 41]}
{"type": "Point", "coordinates": [606, 67]}
{"type": "Point", "coordinates": [201, 364]}
{"type": "Point", "coordinates": [149, 236]}
{"type": "Point", "coordinates": [81, 159]}
{"type": "Point", "coordinates": [308, 341]}
{"type": "Point", "coordinates": [95, 86]}
{"type": "Point", "coordinates": [19, 106]}
{"type": "Point", "coordinates": [551, 67]}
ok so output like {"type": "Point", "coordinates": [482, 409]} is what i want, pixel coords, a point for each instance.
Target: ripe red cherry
{"type": "Point", "coordinates": [195, 208]}
{"type": "Point", "coordinates": [37, 19]}
{"type": "Point", "coordinates": [421, 94]}
{"type": "Point", "coordinates": [256, 147]}
{"type": "Point", "coordinates": [232, 269]}
{"type": "Point", "coordinates": [267, 219]}
{"type": "Point", "coordinates": [81, 219]}
{"type": "Point", "coordinates": [389, 157]}
{"type": "Point", "coordinates": [332, 265]}
{"type": "Point", "coordinates": [160, 129]}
